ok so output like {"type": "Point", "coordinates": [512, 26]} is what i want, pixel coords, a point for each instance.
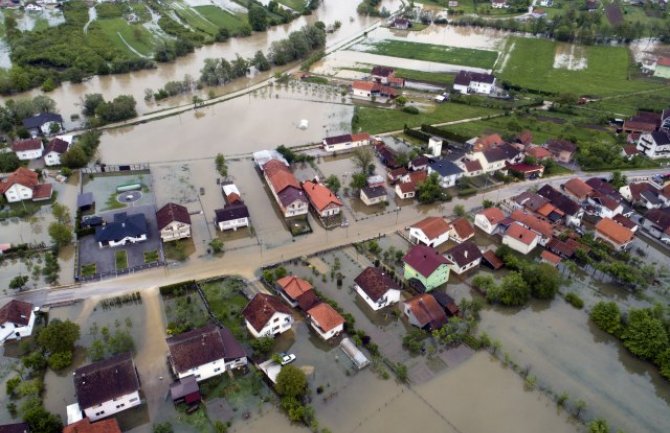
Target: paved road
{"type": "Point", "coordinates": [246, 261]}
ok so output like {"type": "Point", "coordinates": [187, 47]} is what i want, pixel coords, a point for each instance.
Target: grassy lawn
{"type": "Point", "coordinates": [141, 10]}
{"type": "Point", "coordinates": [607, 73]}
{"type": "Point", "coordinates": [88, 270]}
{"type": "Point", "coordinates": [296, 5]}
{"type": "Point", "coordinates": [629, 105]}
{"type": "Point", "coordinates": [178, 250]}
{"type": "Point", "coordinates": [121, 260]}
{"type": "Point", "coordinates": [434, 53]}
{"type": "Point", "coordinates": [221, 18]}
{"type": "Point", "coordinates": [227, 301]}
{"type": "Point", "coordinates": [151, 256]}
{"type": "Point", "coordinates": [427, 77]}
{"type": "Point", "coordinates": [135, 35]}
{"type": "Point", "coordinates": [113, 203]}
{"type": "Point", "coordinates": [194, 20]}
{"type": "Point", "coordinates": [375, 120]}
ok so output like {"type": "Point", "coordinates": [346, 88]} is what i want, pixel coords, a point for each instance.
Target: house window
{"type": "Point", "coordinates": [119, 406]}
{"type": "Point", "coordinates": [276, 319]}
{"type": "Point", "coordinates": [216, 370]}
{"type": "Point", "coordinates": [102, 412]}
{"type": "Point", "coordinates": [134, 399]}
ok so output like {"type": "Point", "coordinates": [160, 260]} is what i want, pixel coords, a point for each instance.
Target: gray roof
{"type": "Point", "coordinates": [231, 212]}
{"type": "Point", "coordinates": [106, 380]}
{"type": "Point", "coordinates": [85, 199]}
{"type": "Point", "coordinates": [661, 137]}
{"type": "Point", "coordinates": [124, 225]}
{"type": "Point", "coordinates": [445, 167]}
{"type": "Point", "coordinates": [38, 120]}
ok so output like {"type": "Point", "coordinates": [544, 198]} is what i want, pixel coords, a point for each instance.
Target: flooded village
{"type": "Point", "coordinates": [418, 219]}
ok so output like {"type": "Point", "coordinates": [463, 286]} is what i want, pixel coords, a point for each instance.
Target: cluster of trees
{"type": "Point", "coordinates": [291, 156]}
{"type": "Point", "coordinates": [172, 88]}
{"type": "Point", "coordinates": [460, 329]}
{"type": "Point", "coordinates": [60, 230]}
{"type": "Point", "coordinates": [527, 279]}
{"type": "Point", "coordinates": [100, 112]}
{"type": "Point", "coordinates": [644, 331]}
{"type": "Point", "coordinates": [108, 343]}
{"type": "Point", "coordinates": [216, 72]}
{"type": "Point", "coordinates": [292, 387]}
{"type": "Point", "coordinates": [185, 315]}
{"type": "Point", "coordinates": [56, 343]}
{"type": "Point", "coordinates": [430, 190]}
{"type": "Point", "coordinates": [298, 45]}
{"type": "Point", "coordinates": [83, 150]}
{"type": "Point", "coordinates": [14, 111]}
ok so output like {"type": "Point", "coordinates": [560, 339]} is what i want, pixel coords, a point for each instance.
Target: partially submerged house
{"type": "Point", "coordinates": [615, 234]}
{"type": "Point", "coordinates": [425, 268]}
{"type": "Point", "coordinates": [430, 231]}
{"type": "Point", "coordinates": [423, 311]}
{"type": "Point", "coordinates": [323, 201]}
{"type": "Point", "coordinates": [376, 288]}
{"type": "Point", "coordinates": [267, 316]}
{"type": "Point", "coordinates": [122, 230]}
{"type": "Point", "coordinates": [185, 390]}
{"type": "Point", "coordinates": [372, 195]}
{"type": "Point", "coordinates": [232, 216]}
{"type": "Point", "coordinates": [325, 320]}
{"type": "Point", "coordinates": [286, 189]}
{"type": "Point", "coordinates": [520, 239]}
{"type": "Point", "coordinates": [55, 148]}
{"type": "Point", "coordinates": [461, 230]}
{"type": "Point", "coordinates": [448, 172]}
{"type": "Point", "coordinates": [17, 319]}
{"type": "Point", "coordinates": [205, 352]}
{"type": "Point", "coordinates": [24, 184]}
{"type": "Point", "coordinates": [174, 222]}
{"type": "Point", "coordinates": [489, 219]}
{"type": "Point", "coordinates": [107, 387]}
{"type": "Point", "coordinates": [464, 257]}
{"type": "Point", "coordinates": [43, 124]}
{"type": "Point", "coordinates": [345, 142]}
{"type": "Point", "coordinates": [29, 149]}
{"type": "Point", "coordinates": [294, 290]}
{"type": "Point", "coordinates": [85, 425]}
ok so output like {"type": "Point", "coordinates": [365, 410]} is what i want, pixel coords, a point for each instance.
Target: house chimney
{"type": "Point", "coordinates": [466, 254]}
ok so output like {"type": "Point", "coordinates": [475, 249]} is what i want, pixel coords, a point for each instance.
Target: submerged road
{"type": "Point", "coordinates": [245, 262]}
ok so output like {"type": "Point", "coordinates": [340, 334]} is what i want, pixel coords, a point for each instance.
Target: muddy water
{"type": "Point", "coordinates": [262, 120]}
{"type": "Point", "coordinates": [69, 95]}
{"type": "Point", "coordinates": [568, 354]}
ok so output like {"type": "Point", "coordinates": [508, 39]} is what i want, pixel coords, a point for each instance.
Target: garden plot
{"type": "Point", "coordinates": [571, 57]}
{"type": "Point", "coordinates": [226, 5]}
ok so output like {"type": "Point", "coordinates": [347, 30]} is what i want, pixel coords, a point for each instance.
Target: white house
{"type": "Point", "coordinates": [463, 257]}
{"type": "Point", "coordinates": [123, 229]}
{"type": "Point", "coordinates": [232, 216]}
{"type": "Point", "coordinates": [107, 387]}
{"type": "Point", "coordinates": [655, 144]}
{"type": "Point", "coordinates": [376, 288]}
{"type": "Point", "coordinates": [286, 189]}
{"type": "Point", "coordinates": [325, 320]}
{"type": "Point", "coordinates": [55, 148]}
{"type": "Point", "coordinates": [17, 319]}
{"type": "Point", "coordinates": [23, 184]}
{"type": "Point", "coordinates": [29, 149]}
{"type": "Point", "coordinates": [32, 7]}
{"type": "Point", "coordinates": [520, 239]}
{"type": "Point", "coordinates": [430, 231]}
{"type": "Point", "coordinates": [489, 219]}
{"type": "Point", "coordinates": [474, 82]}
{"type": "Point", "coordinates": [435, 146]}
{"type": "Point", "coordinates": [322, 199]}
{"type": "Point", "coordinates": [448, 172]}
{"type": "Point", "coordinates": [267, 316]}
{"type": "Point", "coordinates": [43, 124]}
{"type": "Point", "coordinates": [346, 142]}
{"type": "Point", "coordinates": [205, 352]}
{"type": "Point", "coordinates": [499, 4]}
{"type": "Point", "coordinates": [613, 233]}
{"type": "Point", "coordinates": [461, 230]}
{"type": "Point", "coordinates": [174, 222]}
{"type": "Point", "coordinates": [371, 195]}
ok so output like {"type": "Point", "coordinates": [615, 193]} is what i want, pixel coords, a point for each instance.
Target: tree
{"type": "Point", "coordinates": [291, 382]}
{"type": "Point", "coordinates": [599, 426]}
{"type": "Point", "coordinates": [96, 351]}
{"type": "Point", "coordinates": [8, 162]}
{"type": "Point", "coordinates": [61, 235]}
{"type": "Point", "coordinates": [663, 362]}
{"type": "Point", "coordinates": [39, 419]}
{"type": "Point", "coordinates": [18, 282]}
{"type": "Point", "coordinates": [543, 279]}
{"type": "Point", "coordinates": [459, 210]}
{"type": "Point", "coordinates": [618, 179]}
{"type": "Point", "coordinates": [645, 335]}
{"type": "Point", "coordinates": [197, 101]}
{"type": "Point", "coordinates": [580, 405]}
{"type": "Point", "coordinates": [487, 203]}
{"type": "Point", "coordinates": [258, 19]}
{"type": "Point", "coordinates": [607, 317]}
{"type": "Point", "coordinates": [44, 104]}
{"type": "Point", "coordinates": [222, 35]}
{"type": "Point", "coordinates": [430, 190]}
{"type": "Point", "coordinates": [221, 166]}
{"type": "Point", "coordinates": [358, 181]}
{"type": "Point", "coordinates": [333, 183]}
{"type": "Point", "coordinates": [91, 103]}
{"type": "Point", "coordinates": [216, 245]}
{"type": "Point", "coordinates": [60, 360]}
{"type": "Point", "coordinates": [75, 157]}
{"type": "Point", "coordinates": [58, 336]}
{"type": "Point", "coordinates": [261, 62]}
{"type": "Point", "coordinates": [263, 345]}
{"type": "Point", "coordinates": [61, 213]}
{"type": "Point", "coordinates": [513, 291]}
{"type": "Point", "coordinates": [362, 158]}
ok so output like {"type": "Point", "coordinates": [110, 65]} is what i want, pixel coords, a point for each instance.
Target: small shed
{"type": "Point", "coordinates": [85, 201]}
{"type": "Point", "coordinates": [186, 391]}
{"type": "Point", "coordinates": [354, 353]}
{"type": "Point", "coordinates": [492, 260]}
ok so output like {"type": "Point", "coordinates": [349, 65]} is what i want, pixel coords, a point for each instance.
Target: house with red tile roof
{"type": "Point", "coordinates": [538, 153]}
{"type": "Point", "coordinates": [543, 229]}
{"type": "Point", "coordinates": [549, 258]}
{"type": "Point", "coordinates": [17, 319]}
{"type": "Point", "coordinates": [425, 268]}
{"type": "Point", "coordinates": [85, 425]}
{"type": "Point", "coordinates": [325, 320]}
{"type": "Point", "coordinates": [174, 222]}
{"type": "Point", "coordinates": [577, 189]}
{"type": "Point", "coordinates": [520, 239]}
{"type": "Point", "coordinates": [461, 230]}
{"type": "Point", "coordinates": [405, 190]}
{"type": "Point", "coordinates": [292, 288]}
{"type": "Point", "coordinates": [430, 231]}
{"type": "Point", "coordinates": [464, 257]}
{"type": "Point", "coordinates": [23, 184]}
{"type": "Point", "coordinates": [489, 219]}
{"type": "Point", "coordinates": [345, 142]}
{"type": "Point", "coordinates": [376, 288]}
{"type": "Point", "coordinates": [322, 199]}
{"type": "Point", "coordinates": [286, 189]}
{"type": "Point", "coordinates": [29, 149]}
{"type": "Point", "coordinates": [423, 311]}
{"type": "Point", "coordinates": [563, 150]}
{"type": "Point", "coordinates": [613, 233]}
{"type": "Point", "coordinates": [267, 316]}
{"type": "Point", "coordinates": [53, 151]}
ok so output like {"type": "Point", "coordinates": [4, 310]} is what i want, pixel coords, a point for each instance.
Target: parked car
{"type": "Point", "coordinates": [287, 358]}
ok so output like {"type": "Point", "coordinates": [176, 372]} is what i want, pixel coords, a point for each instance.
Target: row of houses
{"type": "Point", "coordinates": [649, 133]}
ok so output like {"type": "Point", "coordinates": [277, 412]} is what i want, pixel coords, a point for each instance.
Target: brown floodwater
{"type": "Point", "coordinates": [68, 97]}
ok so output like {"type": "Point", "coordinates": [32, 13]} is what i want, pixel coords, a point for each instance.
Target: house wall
{"type": "Point", "coordinates": [478, 87]}
{"type": "Point", "coordinates": [296, 208]}
{"type": "Point", "coordinates": [374, 200]}
{"type": "Point", "coordinates": [205, 371]}
{"type": "Point", "coordinates": [278, 324]}
{"type": "Point", "coordinates": [344, 146]}
{"type": "Point", "coordinates": [124, 241]}
{"type": "Point", "coordinates": [360, 93]}
{"type": "Point", "coordinates": [326, 335]}
{"type": "Point", "coordinates": [437, 278]}
{"type": "Point", "coordinates": [330, 210]}
{"type": "Point", "coordinates": [52, 158]}
{"type": "Point", "coordinates": [175, 230]}
{"type": "Point", "coordinates": [410, 316]}
{"type": "Point", "coordinates": [459, 270]}
{"type": "Point", "coordinates": [662, 71]}
{"type": "Point", "coordinates": [483, 223]}
{"type": "Point", "coordinates": [233, 224]}
{"type": "Point", "coordinates": [391, 297]}
{"type": "Point", "coordinates": [418, 236]}
{"type": "Point", "coordinates": [648, 146]}
{"type": "Point", "coordinates": [28, 155]}
{"type": "Point", "coordinates": [9, 331]}
{"type": "Point", "coordinates": [112, 407]}
{"type": "Point", "coordinates": [615, 245]}
{"type": "Point", "coordinates": [461, 88]}
{"type": "Point", "coordinates": [17, 193]}
{"type": "Point", "coordinates": [454, 236]}
{"type": "Point", "coordinates": [446, 181]}
{"type": "Point", "coordinates": [404, 195]}
{"type": "Point", "coordinates": [519, 246]}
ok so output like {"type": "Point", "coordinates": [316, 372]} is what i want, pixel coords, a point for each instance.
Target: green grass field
{"type": "Point", "coordinates": [433, 53]}
{"type": "Point", "coordinates": [221, 18]}
{"type": "Point", "coordinates": [195, 20]}
{"type": "Point", "coordinates": [428, 77]}
{"type": "Point", "coordinates": [135, 35]}
{"type": "Point", "coordinates": [531, 66]}
{"type": "Point", "coordinates": [296, 5]}
{"type": "Point", "coordinates": [628, 105]}
{"type": "Point", "coordinates": [121, 259]}
{"type": "Point", "coordinates": [375, 120]}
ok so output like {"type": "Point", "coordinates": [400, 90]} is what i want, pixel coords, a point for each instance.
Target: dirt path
{"type": "Point", "coordinates": [130, 47]}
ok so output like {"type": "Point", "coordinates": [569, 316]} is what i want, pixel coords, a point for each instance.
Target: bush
{"type": "Point", "coordinates": [574, 300]}
{"type": "Point", "coordinates": [410, 110]}
{"type": "Point", "coordinates": [607, 317]}
{"type": "Point", "coordinates": [177, 289]}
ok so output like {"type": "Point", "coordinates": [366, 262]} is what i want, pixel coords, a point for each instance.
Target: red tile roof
{"type": "Point", "coordinates": [320, 196]}
{"type": "Point", "coordinates": [463, 228]}
{"type": "Point", "coordinates": [261, 309]}
{"type": "Point", "coordinates": [325, 317]}
{"type": "Point", "coordinates": [418, 177]}
{"type": "Point", "coordinates": [375, 283]}
{"type": "Point", "coordinates": [17, 312]}
{"type": "Point", "coordinates": [493, 260]}
{"type": "Point", "coordinates": [109, 425]}
{"type": "Point", "coordinates": [427, 311]}
{"type": "Point", "coordinates": [538, 152]}
{"type": "Point", "coordinates": [21, 176]}
{"type": "Point", "coordinates": [172, 212]}
{"type": "Point", "coordinates": [365, 85]}
{"type": "Point", "coordinates": [56, 145]}
{"type": "Point", "coordinates": [407, 187]}
{"type": "Point", "coordinates": [30, 144]}
{"type": "Point", "coordinates": [520, 233]}
{"type": "Point", "coordinates": [550, 257]}
{"type": "Point", "coordinates": [293, 286]}
{"type": "Point", "coordinates": [472, 166]}
{"type": "Point", "coordinates": [433, 227]}
{"type": "Point", "coordinates": [42, 191]}
{"type": "Point", "coordinates": [614, 231]}
{"type": "Point", "coordinates": [425, 260]}
{"type": "Point", "coordinates": [578, 188]}
{"type": "Point", "coordinates": [533, 223]}
{"type": "Point", "coordinates": [361, 136]}
{"type": "Point", "coordinates": [663, 61]}
{"type": "Point", "coordinates": [493, 215]}
{"type": "Point", "coordinates": [487, 141]}
{"type": "Point", "coordinates": [280, 176]}
{"type": "Point", "coordinates": [525, 137]}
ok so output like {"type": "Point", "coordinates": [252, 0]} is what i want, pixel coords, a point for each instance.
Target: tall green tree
{"type": "Point", "coordinates": [291, 382]}
{"type": "Point", "coordinates": [607, 317]}
{"type": "Point", "coordinates": [58, 336]}
{"type": "Point", "coordinates": [645, 335]}
{"type": "Point", "coordinates": [258, 18]}
{"type": "Point", "coordinates": [362, 159]}
{"type": "Point", "coordinates": [60, 234]}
